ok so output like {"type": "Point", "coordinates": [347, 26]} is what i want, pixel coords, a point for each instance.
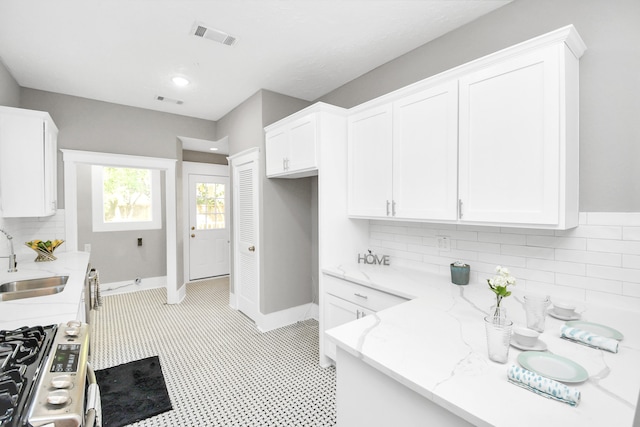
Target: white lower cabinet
{"type": "Point", "coordinates": [345, 301]}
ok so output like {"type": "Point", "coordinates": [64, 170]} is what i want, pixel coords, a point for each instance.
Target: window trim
{"type": "Point", "coordinates": [97, 206]}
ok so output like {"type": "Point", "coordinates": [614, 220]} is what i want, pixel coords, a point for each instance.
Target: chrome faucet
{"type": "Point", "coordinates": [12, 258]}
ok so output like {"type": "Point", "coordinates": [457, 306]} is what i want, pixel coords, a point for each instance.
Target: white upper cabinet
{"type": "Point", "coordinates": [293, 143]}
{"type": "Point", "coordinates": [28, 157]}
{"type": "Point", "coordinates": [511, 141]}
{"type": "Point", "coordinates": [370, 162]}
{"type": "Point", "coordinates": [492, 142]}
{"type": "Point", "coordinates": [403, 157]}
{"type": "Point", "coordinates": [425, 170]}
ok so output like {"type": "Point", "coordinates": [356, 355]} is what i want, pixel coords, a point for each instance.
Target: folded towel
{"type": "Point", "coordinates": [587, 338]}
{"type": "Point", "coordinates": [543, 386]}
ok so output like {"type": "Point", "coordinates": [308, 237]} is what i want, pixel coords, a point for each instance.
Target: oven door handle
{"type": "Point", "coordinates": [93, 416]}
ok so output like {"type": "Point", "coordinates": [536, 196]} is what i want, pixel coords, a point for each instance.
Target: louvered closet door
{"type": "Point", "coordinates": [247, 249]}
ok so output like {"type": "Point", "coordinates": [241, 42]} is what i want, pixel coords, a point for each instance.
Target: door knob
{"type": "Point", "coordinates": [193, 235]}
{"type": "Point", "coordinates": [252, 248]}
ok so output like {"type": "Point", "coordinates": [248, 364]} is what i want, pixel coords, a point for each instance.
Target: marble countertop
{"type": "Point", "coordinates": [435, 344]}
{"type": "Point", "coordinates": [50, 309]}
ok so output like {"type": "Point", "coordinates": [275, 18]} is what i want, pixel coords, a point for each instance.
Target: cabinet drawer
{"type": "Point", "coordinates": [361, 295]}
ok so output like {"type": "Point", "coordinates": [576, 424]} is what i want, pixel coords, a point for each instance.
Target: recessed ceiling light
{"type": "Point", "coordinates": [213, 149]}
{"type": "Point", "coordinates": [180, 81]}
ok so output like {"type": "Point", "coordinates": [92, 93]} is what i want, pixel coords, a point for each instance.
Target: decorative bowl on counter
{"type": "Point", "coordinates": [44, 249]}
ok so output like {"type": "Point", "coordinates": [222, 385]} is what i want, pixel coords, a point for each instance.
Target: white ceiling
{"type": "Point", "coordinates": [126, 51]}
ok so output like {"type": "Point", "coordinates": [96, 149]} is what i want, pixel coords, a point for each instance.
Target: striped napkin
{"type": "Point", "coordinates": [543, 386]}
{"type": "Point", "coordinates": [588, 338]}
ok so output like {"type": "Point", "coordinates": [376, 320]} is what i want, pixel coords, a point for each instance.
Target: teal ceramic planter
{"type": "Point", "coordinates": [460, 274]}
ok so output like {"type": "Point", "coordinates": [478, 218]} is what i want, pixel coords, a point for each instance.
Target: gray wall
{"type": "Point", "coordinates": [90, 125]}
{"type": "Point", "coordinates": [9, 88]}
{"type": "Point", "coordinates": [609, 83]}
{"type": "Point", "coordinates": [285, 221]}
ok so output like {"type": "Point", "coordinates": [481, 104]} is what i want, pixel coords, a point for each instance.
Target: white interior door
{"type": "Point", "coordinates": [246, 234]}
{"type": "Point", "coordinates": [208, 226]}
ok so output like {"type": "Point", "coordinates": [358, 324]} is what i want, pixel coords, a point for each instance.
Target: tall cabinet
{"type": "Point", "coordinates": [28, 158]}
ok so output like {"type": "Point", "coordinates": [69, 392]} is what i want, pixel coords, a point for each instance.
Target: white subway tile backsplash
{"type": "Point", "coordinates": [557, 266]}
{"type": "Point", "coordinates": [590, 283]}
{"type": "Point", "coordinates": [599, 257]}
{"type": "Point", "coordinates": [631, 289]}
{"type": "Point", "coordinates": [528, 251]}
{"type": "Point", "coordinates": [613, 218]}
{"type": "Point", "coordinates": [478, 246]}
{"type": "Point", "coordinates": [557, 242]}
{"type": "Point", "coordinates": [500, 259]}
{"type": "Point", "coordinates": [631, 261]}
{"type": "Point", "coordinates": [615, 246]}
{"type": "Point", "coordinates": [631, 233]}
{"type": "Point", "coordinates": [509, 239]}
{"type": "Point", "coordinates": [614, 273]}
{"type": "Point", "coordinates": [592, 231]}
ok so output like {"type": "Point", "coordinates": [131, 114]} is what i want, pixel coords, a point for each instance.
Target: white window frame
{"type": "Point", "coordinates": [97, 204]}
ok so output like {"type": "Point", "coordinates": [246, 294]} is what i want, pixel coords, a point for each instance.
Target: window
{"type": "Point", "coordinates": [125, 198]}
{"type": "Point", "coordinates": [210, 207]}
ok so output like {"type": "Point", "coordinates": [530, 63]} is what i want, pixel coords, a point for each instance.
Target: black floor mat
{"type": "Point", "coordinates": [132, 392]}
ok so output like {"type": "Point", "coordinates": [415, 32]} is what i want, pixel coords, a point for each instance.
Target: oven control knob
{"type": "Point", "coordinates": [72, 332]}
{"type": "Point", "coordinates": [61, 381]}
{"type": "Point", "coordinates": [58, 397]}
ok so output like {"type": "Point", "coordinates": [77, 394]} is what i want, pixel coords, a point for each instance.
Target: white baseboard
{"type": "Point", "coordinates": [289, 316]}
{"type": "Point", "coordinates": [114, 288]}
{"type": "Point", "coordinates": [232, 301]}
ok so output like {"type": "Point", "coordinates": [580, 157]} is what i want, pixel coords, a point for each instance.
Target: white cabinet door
{"type": "Point", "coordinates": [510, 140]}
{"type": "Point", "coordinates": [28, 156]}
{"type": "Point", "coordinates": [303, 143]}
{"type": "Point", "coordinates": [277, 151]}
{"type": "Point", "coordinates": [369, 167]}
{"type": "Point", "coordinates": [292, 148]}
{"type": "Point", "coordinates": [338, 312]}
{"type": "Point", "coordinates": [425, 154]}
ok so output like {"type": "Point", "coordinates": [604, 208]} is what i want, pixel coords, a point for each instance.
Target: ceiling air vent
{"type": "Point", "coordinates": [169, 100]}
{"type": "Point", "coordinates": [201, 30]}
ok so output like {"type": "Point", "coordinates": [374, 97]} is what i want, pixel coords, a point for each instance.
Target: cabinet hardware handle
{"type": "Point", "coordinates": [393, 208]}
{"type": "Point", "coordinates": [193, 228]}
{"type": "Point", "coordinates": [360, 295]}
{"type": "Point", "coordinates": [252, 248]}
{"type": "Point", "coordinates": [459, 208]}
{"type": "Point", "coordinates": [387, 208]}
{"type": "Point", "coordinates": [357, 314]}
{"type": "Point", "coordinates": [193, 235]}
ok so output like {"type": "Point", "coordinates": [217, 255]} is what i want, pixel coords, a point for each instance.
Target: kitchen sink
{"type": "Point", "coordinates": [29, 288]}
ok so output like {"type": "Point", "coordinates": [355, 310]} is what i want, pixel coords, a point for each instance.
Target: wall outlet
{"type": "Point", "coordinates": [87, 247]}
{"type": "Point", "coordinates": [444, 244]}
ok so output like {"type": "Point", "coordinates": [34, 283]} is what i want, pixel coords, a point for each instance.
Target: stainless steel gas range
{"type": "Point", "coordinates": [46, 379]}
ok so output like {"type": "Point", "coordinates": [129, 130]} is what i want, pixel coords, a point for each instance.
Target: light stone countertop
{"type": "Point", "coordinates": [435, 344]}
{"type": "Point", "coordinates": [50, 309]}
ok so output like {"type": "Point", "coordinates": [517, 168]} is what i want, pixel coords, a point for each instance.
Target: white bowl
{"type": "Point", "coordinates": [564, 309]}
{"type": "Point", "coordinates": [525, 336]}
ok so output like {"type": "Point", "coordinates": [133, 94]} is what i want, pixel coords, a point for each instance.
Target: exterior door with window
{"type": "Point", "coordinates": [208, 226]}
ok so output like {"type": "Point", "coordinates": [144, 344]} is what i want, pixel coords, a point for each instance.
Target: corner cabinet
{"type": "Point", "coordinates": [492, 142]}
{"type": "Point", "coordinates": [293, 144]}
{"type": "Point", "coordinates": [28, 159]}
